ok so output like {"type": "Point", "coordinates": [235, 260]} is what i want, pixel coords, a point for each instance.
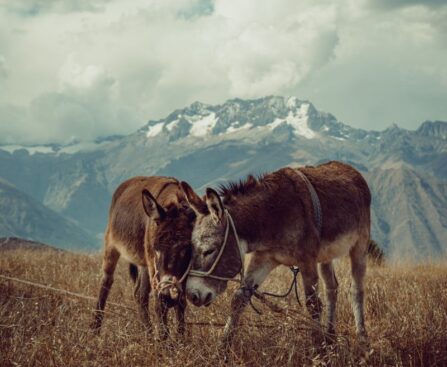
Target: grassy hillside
{"type": "Point", "coordinates": [25, 217]}
{"type": "Point", "coordinates": [406, 313]}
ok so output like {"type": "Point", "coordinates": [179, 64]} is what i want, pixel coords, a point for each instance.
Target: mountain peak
{"type": "Point", "coordinates": [266, 114]}
{"type": "Point", "coordinates": [436, 129]}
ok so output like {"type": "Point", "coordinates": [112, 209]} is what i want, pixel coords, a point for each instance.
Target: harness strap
{"type": "Point", "coordinates": [318, 215]}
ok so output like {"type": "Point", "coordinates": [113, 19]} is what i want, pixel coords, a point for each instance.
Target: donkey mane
{"type": "Point", "coordinates": [249, 185]}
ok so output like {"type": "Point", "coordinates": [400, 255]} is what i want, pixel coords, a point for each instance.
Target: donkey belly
{"type": "Point", "coordinates": [131, 252]}
{"type": "Point", "coordinates": [337, 248]}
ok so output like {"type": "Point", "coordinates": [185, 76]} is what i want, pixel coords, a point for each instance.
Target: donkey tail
{"type": "Point", "coordinates": [133, 272]}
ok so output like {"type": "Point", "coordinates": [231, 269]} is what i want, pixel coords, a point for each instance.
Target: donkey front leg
{"type": "Point", "coordinates": [259, 266]}
{"type": "Point", "coordinates": [161, 309]}
{"type": "Point", "coordinates": [111, 257]}
{"type": "Point", "coordinates": [141, 294]}
{"type": "Point", "coordinates": [180, 313]}
{"type": "Point", "coordinates": [309, 273]}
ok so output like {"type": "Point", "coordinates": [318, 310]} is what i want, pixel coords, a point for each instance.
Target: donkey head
{"type": "Point", "coordinates": [207, 239]}
{"type": "Point", "coordinates": [171, 241]}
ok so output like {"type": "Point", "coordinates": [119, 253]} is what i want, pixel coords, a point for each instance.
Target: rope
{"type": "Point", "coordinates": [90, 298]}
{"type": "Point", "coordinates": [275, 308]}
{"type": "Point", "coordinates": [208, 274]}
{"type": "Point", "coordinates": [63, 291]}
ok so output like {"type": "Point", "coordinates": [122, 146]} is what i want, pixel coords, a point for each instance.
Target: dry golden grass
{"type": "Point", "coordinates": [406, 313]}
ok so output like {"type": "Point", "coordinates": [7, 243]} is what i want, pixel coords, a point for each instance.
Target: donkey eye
{"type": "Point", "coordinates": [208, 252]}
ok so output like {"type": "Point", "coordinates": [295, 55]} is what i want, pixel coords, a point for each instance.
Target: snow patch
{"type": "Point", "coordinates": [299, 122]}
{"type": "Point", "coordinates": [246, 126]}
{"type": "Point", "coordinates": [154, 130]}
{"type": "Point", "coordinates": [291, 102]}
{"type": "Point", "coordinates": [204, 125]}
{"type": "Point", "coordinates": [171, 125]}
{"type": "Point", "coordinates": [31, 150]}
{"type": "Point", "coordinates": [273, 125]}
{"type": "Point", "coordinates": [82, 146]}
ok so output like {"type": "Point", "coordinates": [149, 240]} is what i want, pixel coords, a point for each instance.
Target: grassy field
{"type": "Point", "coordinates": [406, 313]}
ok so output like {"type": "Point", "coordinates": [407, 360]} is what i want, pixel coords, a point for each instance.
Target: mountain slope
{"type": "Point", "coordinates": [22, 216]}
{"type": "Point", "coordinates": [409, 213]}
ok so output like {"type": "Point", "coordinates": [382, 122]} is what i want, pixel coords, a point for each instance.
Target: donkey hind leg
{"type": "Point", "coordinates": [141, 293]}
{"type": "Point", "coordinates": [331, 288]}
{"type": "Point", "coordinates": [111, 257]}
{"type": "Point", "coordinates": [358, 269]}
{"type": "Point", "coordinates": [259, 266]}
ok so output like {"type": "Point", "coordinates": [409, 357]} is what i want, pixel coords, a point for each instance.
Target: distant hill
{"type": "Point", "coordinates": [14, 243]}
{"type": "Point", "coordinates": [24, 217]}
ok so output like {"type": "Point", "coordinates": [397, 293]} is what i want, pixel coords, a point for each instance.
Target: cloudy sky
{"type": "Point", "coordinates": [86, 68]}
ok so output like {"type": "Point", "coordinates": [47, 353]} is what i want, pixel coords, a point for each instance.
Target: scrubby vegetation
{"type": "Point", "coordinates": [406, 313]}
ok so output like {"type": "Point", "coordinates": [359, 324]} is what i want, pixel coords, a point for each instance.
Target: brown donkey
{"type": "Point", "coordinates": [298, 217]}
{"type": "Point", "coordinates": [153, 232]}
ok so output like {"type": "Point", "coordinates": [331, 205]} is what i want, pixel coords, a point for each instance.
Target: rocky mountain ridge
{"type": "Point", "coordinates": [206, 144]}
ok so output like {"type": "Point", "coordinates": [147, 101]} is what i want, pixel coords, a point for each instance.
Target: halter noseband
{"type": "Point", "coordinates": [162, 285]}
{"type": "Point", "coordinates": [208, 274]}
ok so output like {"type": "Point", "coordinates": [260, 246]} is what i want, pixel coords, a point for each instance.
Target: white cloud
{"type": "Point", "coordinates": [3, 68]}
{"type": "Point", "coordinates": [82, 69]}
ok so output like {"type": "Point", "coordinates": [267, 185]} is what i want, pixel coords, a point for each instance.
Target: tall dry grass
{"type": "Point", "coordinates": [406, 313]}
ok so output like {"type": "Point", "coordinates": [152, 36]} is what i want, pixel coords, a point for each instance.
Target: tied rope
{"type": "Point", "coordinates": [173, 284]}
{"type": "Point", "coordinates": [261, 295]}
{"type": "Point", "coordinates": [90, 298]}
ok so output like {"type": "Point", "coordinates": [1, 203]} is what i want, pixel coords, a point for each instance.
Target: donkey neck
{"type": "Point", "coordinates": [251, 215]}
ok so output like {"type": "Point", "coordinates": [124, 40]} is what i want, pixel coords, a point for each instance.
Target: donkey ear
{"type": "Point", "coordinates": [151, 206]}
{"type": "Point", "coordinates": [196, 203]}
{"type": "Point", "coordinates": [214, 204]}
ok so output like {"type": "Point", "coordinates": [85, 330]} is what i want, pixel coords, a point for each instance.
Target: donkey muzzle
{"type": "Point", "coordinates": [169, 287]}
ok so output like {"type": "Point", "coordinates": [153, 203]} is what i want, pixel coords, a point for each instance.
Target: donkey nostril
{"type": "Point", "coordinates": [195, 298]}
{"type": "Point", "coordinates": [208, 298]}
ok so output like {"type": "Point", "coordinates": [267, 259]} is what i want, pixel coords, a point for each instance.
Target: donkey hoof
{"type": "Point", "coordinates": [95, 329]}
{"type": "Point", "coordinates": [148, 332]}
{"type": "Point", "coordinates": [163, 336]}
{"type": "Point", "coordinates": [363, 339]}
{"type": "Point", "coordinates": [221, 356]}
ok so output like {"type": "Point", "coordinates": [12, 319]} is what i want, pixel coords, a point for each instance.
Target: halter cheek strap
{"type": "Point", "coordinates": [209, 273]}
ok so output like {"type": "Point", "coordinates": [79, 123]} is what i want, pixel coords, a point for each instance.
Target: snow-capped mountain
{"type": "Point", "coordinates": [266, 115]}
{"type": "Point", "coordinates": [208, 144]}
